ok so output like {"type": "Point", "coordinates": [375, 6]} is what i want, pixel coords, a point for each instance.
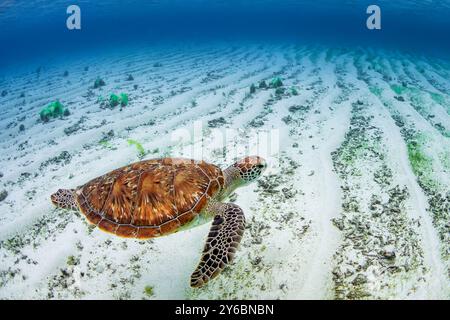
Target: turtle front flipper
{"type": "Point", "coordinates": [223, 239]}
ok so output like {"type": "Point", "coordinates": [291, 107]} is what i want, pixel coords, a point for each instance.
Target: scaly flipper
{"type": "Point", "coordinates": [223, 239]}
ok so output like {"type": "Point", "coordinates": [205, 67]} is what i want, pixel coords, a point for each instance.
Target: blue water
{"type": "Point", "coordinates": [359, 151]}
{"type": "Point", "coordinates": [32, 29]}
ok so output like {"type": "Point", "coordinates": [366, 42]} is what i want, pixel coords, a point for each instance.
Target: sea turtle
{"type": "Point", "coordinates": [157, 197]}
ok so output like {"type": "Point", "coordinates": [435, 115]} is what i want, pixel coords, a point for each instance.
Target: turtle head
{"type": "Point", "coordinates": [250, 168]}
{"type": "Point", "coordinates": [64, 198]}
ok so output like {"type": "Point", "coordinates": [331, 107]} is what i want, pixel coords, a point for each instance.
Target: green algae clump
{"type": "Point", "coordinates": [438, 98]}
{"type": "Point", "coordinates": [53, 110]}
{"type": "Point", "coordinates": [123, 99]}
{"type": "Point", "coordinates": [279, 91]}
{"type": "Point", "coordinates": [262, 85]}
{"type": "Point", "coordinates": [276, 82]}
{"type": "Point", "coordinates": [115, 100]}
{"type": "Point", "coordinates": [139, 147]}
{"type": "Point", "coordinates": [99, 82]}
{"type": "Point", "coordinates": [377, 91]}
{"type": "Point", "coordinates": [294, 91]}
{"type": "Point", "coordinates": [398, 89]}
{"type": "Point", "coordinates": [420, 162]}
{"type": "Point", "coordinates": [148, 290]}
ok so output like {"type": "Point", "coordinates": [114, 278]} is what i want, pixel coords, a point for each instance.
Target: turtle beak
{"type": "Point", "coordinates": [262, 165]}
{"type": "Point", "coordinates": [53, 198]}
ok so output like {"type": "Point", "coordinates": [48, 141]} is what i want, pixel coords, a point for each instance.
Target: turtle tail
{"type": "Point", "coordinates": [64, 198]}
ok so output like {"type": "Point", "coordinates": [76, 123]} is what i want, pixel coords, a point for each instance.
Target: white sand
{"type": "Point", "coordinates": [291, 248]}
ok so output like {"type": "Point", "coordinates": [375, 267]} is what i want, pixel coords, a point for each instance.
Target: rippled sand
{"type": "Point", "coordinates": [355, 204]}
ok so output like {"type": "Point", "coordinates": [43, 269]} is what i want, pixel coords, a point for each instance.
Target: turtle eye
{"type": "Point", "coordinates": [260, 166]}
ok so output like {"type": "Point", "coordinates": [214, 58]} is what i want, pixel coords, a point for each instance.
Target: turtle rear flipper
{"type": "Point", "coordinates": [223, 239]}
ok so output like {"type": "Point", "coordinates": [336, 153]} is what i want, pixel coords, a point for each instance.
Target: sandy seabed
{"type": "Point", "coordinates": [355, 203]}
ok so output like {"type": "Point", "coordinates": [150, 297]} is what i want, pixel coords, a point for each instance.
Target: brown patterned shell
{"type": "Point", "coordinates": [149, 198]}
